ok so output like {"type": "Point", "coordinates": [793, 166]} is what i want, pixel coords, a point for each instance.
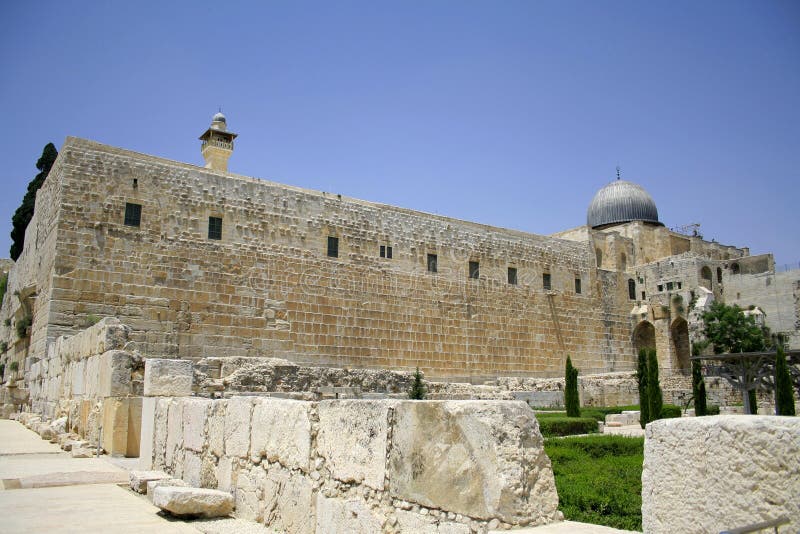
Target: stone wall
{"type": "Point", "coordinates": [268, 288]}
{"type": "Point", "coordinates": [778, 296]}
{"type": "Point", "coordinates": [709, 474]}
{"type": "Point", "coordinates": [362, 466]}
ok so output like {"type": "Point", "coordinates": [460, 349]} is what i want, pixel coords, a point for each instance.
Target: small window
{"type": "Point", "coordinates": [512, 276]}
{"type": "Point", "coordinates": [669, 286]}
{"type": "Point", "coordinates": [386, 252]}
{"type": "Point", "coordinates": [644, 295]}
{"type": "Point", "coordinates": [631, 289]}
{"type": "Point", "coordinates": [680, 284]}
{"type": "Point", "coordinates": [333, 247]}
{"type": "Point", "coordinates": [546, 280]}
{"type": "Point", "coordinates": [474, 270]}
{"type": "Point", "coordinates": [133, 214]}
{"type": "Point", "coordinates": [383, 251]}
{"type": "Point", "coordinates": [432, 263]}
{"type": "Point", "coordinates": [660, 287]}
{"type": "Point", "coordinates": [577, 286]}
{"type": "Point", "coordinates": [215, 227]}
{"type": "Point", "coordinates": [135, 183]}
{"type": "Point", "coordinates": [389, 252]}
{"type": "Point", "coordinates": [719, 275]}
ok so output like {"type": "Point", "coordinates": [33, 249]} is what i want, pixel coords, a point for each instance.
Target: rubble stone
{"type": "Point", "coordinates": [193, 501]}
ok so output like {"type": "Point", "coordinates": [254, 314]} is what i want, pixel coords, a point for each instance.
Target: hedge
{"type": "Point", "coordinates": [552, 425]}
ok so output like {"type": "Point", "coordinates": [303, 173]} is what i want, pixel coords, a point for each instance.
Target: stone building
{"type": "Point", "coordinates": [200, 262]}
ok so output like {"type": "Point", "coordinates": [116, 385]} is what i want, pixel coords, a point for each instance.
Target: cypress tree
{"type": "Point", "coordinates": [784, 395]}
{"type": "Point", "coordinates": [571, 399]}
{"type": "Point", "coordinates": [641, 378]}
{"type": "Point", "coordinates": [698, 385]}
{"type": "Point", "coordinates": [24, 213]}
{"type": "Point", "coordinates": [654, 396]}
{"type": "Point", "coordinates": [753, 402]}
{"type": "Point", "coordinates": [417, 391]}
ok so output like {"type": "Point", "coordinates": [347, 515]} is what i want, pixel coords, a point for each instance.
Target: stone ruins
{"type": "Point", "coordinates": [259, 339]}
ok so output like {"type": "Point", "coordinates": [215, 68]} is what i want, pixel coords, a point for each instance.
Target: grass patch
{"type": "Point", "coordinates": [558, 424]}
{"type": "Point", "coordinates": [599, 479]}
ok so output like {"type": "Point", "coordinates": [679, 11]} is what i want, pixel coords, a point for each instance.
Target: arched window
{"type": "Point", "coordinates": [719, 275]}
{"type": "Point", "coordinates": [631, 289]}
{"type": "Point", "coordinates": [705, 277]}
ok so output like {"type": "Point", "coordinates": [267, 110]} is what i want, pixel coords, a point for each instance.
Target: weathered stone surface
{"type": "Point", "coordinates": [708, 474]}
{"type": "Point", "coordinates": [153, 484]}
{"type": "Point", "coordinates": [281, 432]}
{"type": "Point", "coordinates": [167, 378]}
{"type": "Point", "coordinates": [160, 432]}
{"type": "Point", "coordinates": [238, 417]}
{"type": "Point", "coordinates": [289, 502]}
{"type": "Point", "coordinates": [195, 414]}
{"type": "Point", "coordinates": [484, 459]}
{"type": "Point", "coordinates": [113, 376]}
{"type": "Point", "coordinates": [352, 439]}
{"type": "Point", "coordinates": [174, 436]}
{"type": "Point", "coordinates": [139, 479]}
{"type": "Point", "coordinates": [339, 516]}
{"type": "Point", "coordinates": [216, 428]}
{"type": "Point", "coordinates": [82, 452]}
{"type": "Point", "coordinates": [419, 524]}
{"type": "Point", "coordinates": [250, 492]}
{"type": "Point", "coordinates": [193, 501]}
{"type": "Point", "coordinates": [59, 426]}
{"type": "Point", "coordinates": [192, 466]}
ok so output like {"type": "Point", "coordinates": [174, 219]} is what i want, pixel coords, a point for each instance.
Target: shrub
{"type": "Point", "coordinates": [559, 425]}
{"type": "Point", "coordinates": [22, 326]}
{"type": "Point", "coordinates": [668, 411]}
{"type": "Point", "coordinates": [599, 479]}
{"type": "Point", "coordinates": [712, 410]}
{"type": "Point", "coordinates": [784, 396]}
{"type": "Point", "coordinates": [7, 322]}
{"type": "Point", "coordinates": [90, 320]}
{"type": "Point", "coordinates": [417, 391]}
{"type": "Point", "coordinates": [3, 346]}
{"type": "Point", "coordinates": [2, 370]}
{"type": "Point", "coordinates": [3, 286]}
{"type": "Point", "coordinates": [571, 400]}
{"type": "Point", "coordinates": [13, 366]}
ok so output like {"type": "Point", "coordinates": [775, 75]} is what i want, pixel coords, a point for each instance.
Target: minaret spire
{"type": "Point", "coordinates": [217, 144]}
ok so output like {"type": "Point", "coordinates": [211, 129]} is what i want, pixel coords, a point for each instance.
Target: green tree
{"type": "Point", "coordinates": [654, 396]}
{"type": "Point", "coordinates": [24, 213]}
{"type": "Point", "coordinates": [784, 395]}
{"type": "Point", "coordinates": [698, 384]}
{"type": "Point", "coordinates": [571, 399]}
{"type": "Point", "coordinates": [730, 331]}
{"type": "Point", "coordinates": [753, 401]}
{"type": "Point", "coordinates": [641, 378]}
{"type": "Point", "coordinates": [417, 391]}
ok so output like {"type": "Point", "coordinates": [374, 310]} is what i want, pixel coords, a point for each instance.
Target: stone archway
{"type": "Point", "coordinates": [644, 336]}
{"type": "Point", "coordinates": [705, 278]}
{"type": "Point", "coordinates": [679, 343]}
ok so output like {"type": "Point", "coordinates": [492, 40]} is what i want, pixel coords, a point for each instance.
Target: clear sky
{"type": "Point", "coordinates": [510, 113]}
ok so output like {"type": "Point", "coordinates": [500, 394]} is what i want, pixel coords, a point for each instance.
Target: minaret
{"type": "Point", "coordinates": [217, 144]}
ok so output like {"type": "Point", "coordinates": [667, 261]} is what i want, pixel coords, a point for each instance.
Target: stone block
{"type": "Point", "coordinates": [114, 374]}
{"type": "Point", "coordinates": [193, 502]}
{"type": "Point", "coordinates": [249, 493]}
{"type": "Point", "coordinates": [409, 521]}
{"type": "Point", "coordinates": [191, 468]}
{"type": "Point", "coordinates": [339, 516]}
{"type": "Point", "coordinates": [352, 439]}
{"type": "Point", "coordinates": [83, 452]}
{"type": "Point", "coordinates": [622, 419]}
{"type": "Point", "coordinates": [195, 414]}
{"type": "Point", "coordinates": [238, 416]}
{"type": "Point", "coordinates": [147, 433]}
{"type": "Point", "coordinates": [216, 428]}
{"type": "Point", "coordinates": [167, 378]}
{"type": "Point", "coordinates": [174, 436]}
{"type": "Point", "coordinates": [139, 479]}
{"type": "Point", "coordinates": [289, 501]}
{"type": "Point", "coordinates": [484, 459]}
{"type": "Point", "coordinates": [709, 474]}
{"type": "Point", "coordinates": [174, 482]}
{"type": "Point", "coordinates": [134, 427]}
{"type": "Point", "coordinates": [281, 432]}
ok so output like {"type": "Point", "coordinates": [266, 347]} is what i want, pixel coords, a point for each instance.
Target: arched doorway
{"type": "Point", "coordinates": [679, 342]}
{"type": "Point", "coordinates": [644, 336]}
{"type": "Point", "coordinates": [705, 278]}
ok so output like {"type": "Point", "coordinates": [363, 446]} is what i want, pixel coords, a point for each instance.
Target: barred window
{"type": "Point", "coordinates": [215, 228]}
{"type": "Point", "coordinates": [512, 276]}
{"type": "Point", "coordinates": [333, 247]}
{"type": "Point", "coordinates": [432, 263]}
{"type": "Point", "coordinates": [578, 286]}
{"type": "Point", "coordinates": [133, 214]}
{"type": "Point", "coordinates": [546, 281]}
{"type": "Point", "coordinates": [474, 270]}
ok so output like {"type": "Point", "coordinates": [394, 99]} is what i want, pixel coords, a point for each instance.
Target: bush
{"type": "Point", "coordinates": [3, 346]}
{"type": "Point", "coordinates": [599, 479]}
{"type": "Point", "coordinates": [712, 410]}
{"type": "Point", "coordinates": [669, 411]}
{"type": "Point", "coordinates": [13, 366]}
{"type": "Point", "coordinates": [22, 326]}
{"type": "Point", "coordinates": [3, 286]}
{"type": "Point", "coordinates": [571, 399]}
{"type": "Point", "coordinates": [417, 391]}
{"type": "Point", "coordinates": [552, 425]}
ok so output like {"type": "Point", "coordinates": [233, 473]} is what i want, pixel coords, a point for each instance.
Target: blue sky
{"type": "Point", "coordinates": [510, 113]}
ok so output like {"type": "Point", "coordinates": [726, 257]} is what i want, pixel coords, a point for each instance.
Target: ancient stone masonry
{"type": "Point", "coordinates": [362, 466]}
{"type": "Point", "coordinates": [710, 474]}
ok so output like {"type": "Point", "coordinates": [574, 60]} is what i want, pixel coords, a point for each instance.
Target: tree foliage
{"type": "Point", "coordinates": [698, 384]}
{"type": "Point", "coordinates": [730, 331]}
{"type": "Point", "coordinates": [784, 394]}
{"type": "Point", "coordinates": [3, 286]}
{"type": "Point", "coordinates": [641, 378]}
{"type": "Point", "coordinates": [571, 400]}
{"type": "Point", "coordinates": [24, 213]}
{"type": "Point", "coordinates": [654, 397]}
{"type": "Point", "coordinates": [417, 391]}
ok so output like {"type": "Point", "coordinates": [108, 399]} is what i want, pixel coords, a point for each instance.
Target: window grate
{"type": "Point", "coordinates": [215, 228]}
{"type": "Point", "coordinates": [133, 214]}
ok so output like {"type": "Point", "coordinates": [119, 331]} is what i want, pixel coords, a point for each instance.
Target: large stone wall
{"type": "Point", "coordinates": [362, 466]}
{"type": "Point", "coordinates": [710, 474]}
{"type": "Point", "coordinates": [267, 288]}
{"type": "Point", "coordinates": [777, 294]}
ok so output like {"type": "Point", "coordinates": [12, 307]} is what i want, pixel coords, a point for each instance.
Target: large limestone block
{"type": "Point", "coordinates": [484, 459]}
{"type": "Point", "coordinates": [167, 378]}
{"type": "Point", "coordinates": [115, 426]}
{"type": "Point", "coordinates": [239, 413]}
{"type": "Point", "coordinates": [339, 516]}
{"type": "Point", "coordinates": [174, 441]}
{"type": "Point", "coordinates": [352, 439]}
{"type": "Point", "coordinates": [289, 502]}
{"type": "Point", "coordinates": [216, 428]}
{"type": "Point", "coordinates": [282, 432]}
{"type": "Point", "coordinates": [160, 432]}
{"type": "Point", "coordinates": [249, 493]}
{"type": "Point", "coordinates": [139, 479]}
{"type": "Point", "coordinates": [409, 521]}
{"type": "Point", "coordinates": [195, 415]}
{"type": "Point", "coordinates": [193, 501]}
{"type": "Point", "coordinates": [114, 370]}
{"type": "Point", "coordinates": [106, 335]}
{"type": "Point", "coordinates": [709, 474]}
{"type": "Point", "coordinates": [147, 433]}
{"type": "Point", "coordinates": [192, 466]}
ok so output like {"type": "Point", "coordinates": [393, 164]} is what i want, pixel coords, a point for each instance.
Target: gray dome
{"type": "Point", "coordinates": [218, 117]}
{"type": "Point", "coordinates": [621, 201]}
